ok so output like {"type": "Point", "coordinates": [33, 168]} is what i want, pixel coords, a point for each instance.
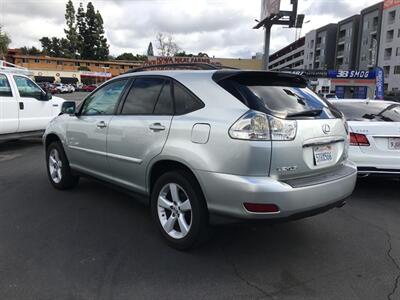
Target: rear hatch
{"type": "Point", "coordinates": [308, 134]}
{"type": "Point", "coordinates": [374, 126]}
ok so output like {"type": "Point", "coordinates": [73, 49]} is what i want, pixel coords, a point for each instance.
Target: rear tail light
{"type": "Point", "coordinates": [261, 208]}
{"type": "Point", "coordinates": [358, 139]}
{"type": "Point", "coordinates": [258, 126]}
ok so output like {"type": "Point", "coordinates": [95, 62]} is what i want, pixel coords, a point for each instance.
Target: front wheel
{"type": "Point", "coordinates": [179, 210]}
{"type": "Point", "coordinates": [58, 170]}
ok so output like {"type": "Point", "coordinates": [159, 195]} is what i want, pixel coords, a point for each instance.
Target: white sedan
{"type": "Point", "coordinates": [374, 127]}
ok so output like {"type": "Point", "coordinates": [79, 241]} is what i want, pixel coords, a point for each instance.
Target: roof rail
{"type": "Point", "coordinates": [184, 66]}
{"type": "Point", "coordinates": [8, 67]}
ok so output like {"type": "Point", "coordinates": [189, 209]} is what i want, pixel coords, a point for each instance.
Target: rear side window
{"type": "Point", "coordinates": [370, 111]}
{"type": "Point", "coordinates": [276, 97]}
{"type": "Point", "coordinates": [142, 97]}
{"type": "Point", "coordinates": [165, 103]}
{"type": "Point", "coordinates": [5, 89]}
{"type": "Point", "coordinates": [185, 102]}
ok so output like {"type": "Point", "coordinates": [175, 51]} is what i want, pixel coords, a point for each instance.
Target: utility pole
{"type": "Point", "coordinates": [275, 16]}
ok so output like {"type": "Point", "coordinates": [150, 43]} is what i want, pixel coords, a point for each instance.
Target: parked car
{"type": "Point", "coordinates": [52, 89]}
{"type": "Point", "coordinates": [89, 88]}
{"type": "Point", "coordinates": [374, 135]}
{"type": "Point", "coordinates": [70, 88]}
{"type": "Point", "coordinates": [240, 144]}
{"type": "Point", "coordinates": [25, 108]}
{"type": "Point", "coordinates": [331, 97]}
{"type": "Point", "coordinates": [61, 88]}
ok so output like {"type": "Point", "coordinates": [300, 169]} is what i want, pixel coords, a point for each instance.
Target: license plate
{"type": "Point", "coordinates": [323, 155]}
{"type": "Point", "coordinates": [394, 143]}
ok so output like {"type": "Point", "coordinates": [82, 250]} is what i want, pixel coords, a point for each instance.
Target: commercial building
{"type": "Point", "coordinates": [389, 56]}
{"type": "Point", "coordinates": [325, 47]}
{"type": "Point", "coordinates": [65, 70]}
{"type": "Point", "coordinates": [309, 49]}
{"type": "Point", "coordinates": [292, 56]}
{"type": "Point", "coordinates": [369, 37]}
{"type": "Point", "coordinates": [347, 43]}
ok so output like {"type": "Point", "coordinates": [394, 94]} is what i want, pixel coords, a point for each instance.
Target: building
{"type": "Point", "coordinates": [347, 43]}
{"type": "Point", "coordinates": [66, 70]}
{"type": "Point", "coordinates": [325, 47]}
{"type": "Point", "coordinates": [369, 37]}
{"type": "Point", "coordinates": [309, 49]}
{"type": "Point", "coordinates": [292, 56]}
{"type": "Point", "coordinates": [389, 54]}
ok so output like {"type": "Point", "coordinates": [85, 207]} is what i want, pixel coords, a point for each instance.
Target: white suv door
{"type": "Point", "coordinates": [34, 113]}
{"type": "Point", "coordinates": [8, 107]}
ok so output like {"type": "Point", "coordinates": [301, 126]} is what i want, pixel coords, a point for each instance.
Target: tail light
{"type": "Point", "coordinates": [258, 126]}
{"type": "Point", "coordinates": [358, 139]}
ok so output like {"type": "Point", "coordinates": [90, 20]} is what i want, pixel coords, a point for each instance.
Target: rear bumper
{"type": "Point", "coordinates": [368, 163]}
{"type": "Point", "coordinates": [226, 193]}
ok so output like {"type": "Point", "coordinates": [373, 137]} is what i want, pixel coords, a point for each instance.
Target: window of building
{"type": "Point", "coordinates": [386, 70]}
{"type": "Point", "coordinates": [37, 60]}
{"type": "Point", "coordinates": [77, 63]}
{"type": "Point", "coordinates": [388, 54]}
{"type": "Point", "coordinates": [363, 57]}
{"type": "Point", "coordinates": [96, 65]}
{"type": "Point", "coordinates": [106, 65]}
{"type": "Point", "coordinates": [398, 51]}
{"type": "Point", "coordinates": [88, 64]}
{"type": "Point", "coordinates": [60, 62]}
{"type": "Point", "coordinates": [24, 60]}
{"type": "Point", "coordinates": [391, 17]}
{"type": "Point", "coordinates": [389, 36]}
{"type": "Point", "coordinates": [48, 61]}
{"type": "Point", "coordinates": [398, 33]}
{"type": "Point", "coordinates": [396, 70]}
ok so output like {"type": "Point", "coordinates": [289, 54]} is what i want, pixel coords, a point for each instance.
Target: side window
{"type": "Point", "coordinates": [165, 104]}
{"type": "Point", "coordinates": [5, 89]}
{"type": "Point", "coordinates": [104, 101]}
{"type": "Point", "coordinates": [143, 96]}
{"type": "Point", "coordinates": [184, 101]}
{"type": "Point", "coordinates": [27, 88]}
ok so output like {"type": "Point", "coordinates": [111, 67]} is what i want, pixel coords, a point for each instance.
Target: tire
{"type": "Point", "coordinates": [58, 169]}
{"type": "Point", "coordinates": [183, 224]}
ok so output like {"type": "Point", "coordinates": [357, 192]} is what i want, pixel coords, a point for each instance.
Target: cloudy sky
{"type": "Point", "coordinates": [221, 28]}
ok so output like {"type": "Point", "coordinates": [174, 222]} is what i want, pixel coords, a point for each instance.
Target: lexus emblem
{"type": "Point", "coordinates": [326, 128]}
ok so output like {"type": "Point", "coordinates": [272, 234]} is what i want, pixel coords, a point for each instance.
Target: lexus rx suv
{"type": "Point", "coordinates": [202, 143]}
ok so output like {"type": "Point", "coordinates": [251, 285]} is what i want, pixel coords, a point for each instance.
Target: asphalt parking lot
{"type": "Point", "coordinates": [95, 242]}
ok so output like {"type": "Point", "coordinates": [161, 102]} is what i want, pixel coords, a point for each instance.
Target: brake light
{"type": "Point", "coordinates": [258, 126]}
{"type": "Point", "coordinates": [358, 139]}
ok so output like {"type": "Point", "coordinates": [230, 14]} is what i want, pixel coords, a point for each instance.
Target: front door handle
{"type": "Point", "coordinates": [101, 125]}
{"type": "Point", "coordinates": [21, 105]}
{"type": "Point", "coordinates": [156, 127]}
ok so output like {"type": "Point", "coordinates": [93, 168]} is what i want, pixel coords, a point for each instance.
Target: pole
{"type": "Point", "coordinates": [267, 39]}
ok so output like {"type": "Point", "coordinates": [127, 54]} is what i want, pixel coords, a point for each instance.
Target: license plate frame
{"type": "Point", "coordinates": [323, 155]}
{"type": "Point", "coordinates": [394, 143]}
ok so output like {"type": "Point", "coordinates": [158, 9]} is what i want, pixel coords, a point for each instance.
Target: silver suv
{"type": "Point", "coordinates": [239, 144]}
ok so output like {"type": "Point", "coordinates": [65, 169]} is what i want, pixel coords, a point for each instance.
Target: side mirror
{"type": "Point", "coordinates": [68, 107]}
{"type": "Point", "coordinates": [46, 96]}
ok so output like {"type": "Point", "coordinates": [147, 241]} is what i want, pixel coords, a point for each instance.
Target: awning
{"type": "Point", "coordinates": [49, 79]}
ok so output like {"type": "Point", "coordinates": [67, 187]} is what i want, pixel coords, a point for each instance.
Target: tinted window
{"type": "Point", "coordinates": [165, 105]}
{"type": "Point", "coordinates": [104, 100]}
{"type": "Point", "coordinates": [143, 96]}
{"type": "Point", "coordinates": [27, 88]}
{"type": "Point", "coordinates": [370, 111]}
{"type": "Point", "coordinates": [276, 96]}
{"type": "Point", "coordinates": [5, 89]}
{"type": "Point", "coordinates": [184, 101]}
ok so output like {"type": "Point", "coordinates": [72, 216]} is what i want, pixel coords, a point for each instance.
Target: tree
{"type": "Point", "coordinates": [150, 51]}
{"type": "Point", "coordinates": [102, 45]}
{"type": "Point", "coordinates": [30, 51]}
{"type": "Point", "coordinates": [81, 27]}
{"type": "Point", "coordinates": [5, 41]}
{"type": "Point", "coordinates": [183, 54]}
{"type": "Point", "coordinates": [47, 48]}
{"type": "Point", "coordinates": [130, 56]}
{"type": "Point", "coordinates": [165, 45]}
{"type": "Point", "coordinates": [71, 32]}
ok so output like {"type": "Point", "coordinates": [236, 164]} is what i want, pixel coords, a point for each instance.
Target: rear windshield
{"type": "Point", "coordinates": [370, 111]}
{"type": "Point", "coordinates": [280, 98]}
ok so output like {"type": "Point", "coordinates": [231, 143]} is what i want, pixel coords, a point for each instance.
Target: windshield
{"type": "Point", "coordinates": [279, 98]}
{"type": "Point", "coordinates": [370, 111]}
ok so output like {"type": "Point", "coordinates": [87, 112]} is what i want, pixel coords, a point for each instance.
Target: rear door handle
{"type": "Point", "coordinates": [101, 125]}
{"type": "Point", "coordinates": [156, 127]}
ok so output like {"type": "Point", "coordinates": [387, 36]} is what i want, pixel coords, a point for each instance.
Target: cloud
{"type": "Point", "coordinates": [219, 27]}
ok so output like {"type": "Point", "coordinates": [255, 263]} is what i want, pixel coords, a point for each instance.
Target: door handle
{"type": "Point", "coordinates": [101, 125]}
{"type": "Point", "coordinates": [156, 127]}
{"type": "Point", "coordinates": [21, 105]}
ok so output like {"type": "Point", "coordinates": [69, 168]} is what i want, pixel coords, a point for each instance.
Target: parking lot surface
{"type": "Point", "coordinates": [95, 242]}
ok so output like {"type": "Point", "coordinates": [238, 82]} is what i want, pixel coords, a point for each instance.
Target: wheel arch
{"type": "Point", "coordinates": [51, 137]}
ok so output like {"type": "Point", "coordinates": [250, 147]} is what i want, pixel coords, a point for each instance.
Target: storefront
{"type": "Point", "coordinates": [94, 77]}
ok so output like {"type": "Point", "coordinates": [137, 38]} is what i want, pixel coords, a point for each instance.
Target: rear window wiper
{"type": "Point", "coordinates": [306, 113]}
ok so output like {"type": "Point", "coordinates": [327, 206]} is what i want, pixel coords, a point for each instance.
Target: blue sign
{"type": "Point", "coordinates": [380, 83]}
{"type": "Point", "coordinates": [351, 74]}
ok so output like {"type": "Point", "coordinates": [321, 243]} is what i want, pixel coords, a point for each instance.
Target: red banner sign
{"type": "Point", "coordinates": [390, 3]}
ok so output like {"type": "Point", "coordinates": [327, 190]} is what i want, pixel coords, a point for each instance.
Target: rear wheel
{"type": "Point", "coordinates": [58, 170]}
{"type": "Point", "coordinates": [179, 210]}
